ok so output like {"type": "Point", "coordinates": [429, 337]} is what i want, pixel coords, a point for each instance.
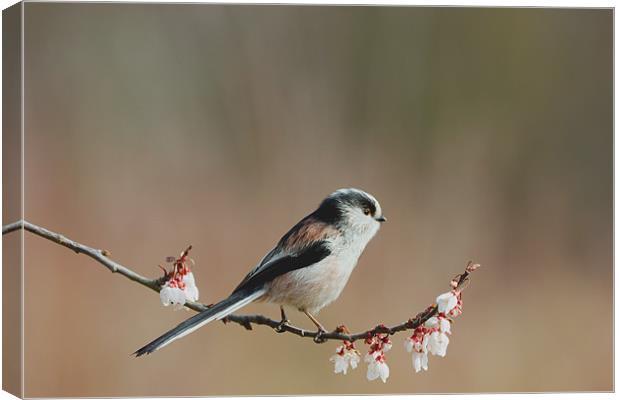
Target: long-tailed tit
{"type": "Point", "coordinates": [306, 270]}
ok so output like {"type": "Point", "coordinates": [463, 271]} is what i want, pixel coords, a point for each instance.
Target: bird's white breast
{"type": "Point", "coordinates": [312, 288]}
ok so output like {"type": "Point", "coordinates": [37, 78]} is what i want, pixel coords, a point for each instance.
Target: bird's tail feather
{"type": "Point", "coordinates": [218, 311]}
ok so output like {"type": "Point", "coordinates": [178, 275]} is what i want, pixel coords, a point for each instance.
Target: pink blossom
{"type": "Point", "coordinates": [346, 355]}
{"type": "Point", "coordinates": [377, 367]}
{"type": "Point", "coordinates": [180, 284]}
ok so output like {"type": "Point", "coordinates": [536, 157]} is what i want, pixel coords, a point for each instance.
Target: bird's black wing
{"type": "Point", "coordinates": [283, 263]}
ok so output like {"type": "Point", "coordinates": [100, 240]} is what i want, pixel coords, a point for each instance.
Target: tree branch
{"type": "Point", "coordinates": [340, 333]}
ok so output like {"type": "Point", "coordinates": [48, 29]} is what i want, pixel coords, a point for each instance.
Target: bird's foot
{"type": "Point", "coordinates": [281, 325]}
{"type": "Point", "coordinates": [320, 336]}
{"type": "Point", "coordinates": [283, 321]}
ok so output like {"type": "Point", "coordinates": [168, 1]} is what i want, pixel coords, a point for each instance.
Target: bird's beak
{"type": "Point", "coordinates": [381, 219]}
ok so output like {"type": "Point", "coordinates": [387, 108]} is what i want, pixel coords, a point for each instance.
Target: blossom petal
{"type": "Point", "coordinates": [446, 302]}
{"type": "Point", "coordinates": [373, 372]}
{"type": "Point", "coordinates": [384, 371]}
{"type": "Point", "coordinates": [409, 343]}
{"type": "Point", "coordinates": [420, 361]}
{"type": "Point", "coordinates": [432, 322]}
{"type": "Point", "coordinates": [444, 325]}
{"type": "Point", "coordinates": [191, 292]}
{"type": "Point", "coordinates": [189, 279]}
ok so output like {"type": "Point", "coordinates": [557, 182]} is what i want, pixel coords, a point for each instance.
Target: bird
{"type": "Point", "coordinates": [306, 270]}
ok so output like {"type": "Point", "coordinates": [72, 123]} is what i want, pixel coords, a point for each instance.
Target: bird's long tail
{"type": "Point", "coordinates": [218, 311]}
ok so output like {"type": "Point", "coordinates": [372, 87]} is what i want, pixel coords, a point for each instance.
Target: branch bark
{"type": "Point", "coordinates": [102, 256]}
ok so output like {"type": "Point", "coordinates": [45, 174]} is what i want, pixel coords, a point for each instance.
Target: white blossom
{"type": "Point", "coordinates": [345, 356]}
{"type": "Point", "coordinates": [440, 322]}
{"type": "Point", "coordinates": [377, 368]}
{"type": "Point", "coordinates": [180, 286]}
{"type": "Point", "coordinates": [432, 336]}
{"type": "Point", "coordinates": [420, 361]}
{"type": "Point", "coordinates": [191, 291]}
{"type": "Point", "coordinates": [415, 344]}
{"type": "Point", "coordinates": [432, 322]}
{"type": "Point", "coordinates": [425, 342]}
{"type": "Point", "coordinates": [354, 359]}
{"type": "Point", "coordinates": [370, 357]}
{"type": "Point", "coordinates": [189, 279]}
{"type": "Point", "coordinates": [418, 345]}
{"type": "Point", "coordinates": [444, 325]}
{"type": "Point", "coordinates": [170, 294]}
{"type": "Point", "coordinates": [438, 343]}
{"type": "Point", "coordinates": [409, 344]}
{"type": "Point", "coordinates": [446, 302]}
{"type": "Point", "coordinates": [341, 364]}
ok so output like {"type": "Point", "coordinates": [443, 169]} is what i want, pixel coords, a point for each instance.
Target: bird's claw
{"type": "Point", "coordinates": [281, 325]}
{"type": "Point", "coordinates": [320, 336]}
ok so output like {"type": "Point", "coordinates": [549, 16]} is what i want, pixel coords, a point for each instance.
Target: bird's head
{"type": "Point", "coordinates": [352, 209]}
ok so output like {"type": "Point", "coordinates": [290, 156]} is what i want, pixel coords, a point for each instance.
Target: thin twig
{"type": "Point", "coordinates": [246, 321]}
{"type": "Point", "coordinates": [98, 255]}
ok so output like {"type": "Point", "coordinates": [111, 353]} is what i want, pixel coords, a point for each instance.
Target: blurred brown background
{"type": "Point", "coordinates": [485, 133]}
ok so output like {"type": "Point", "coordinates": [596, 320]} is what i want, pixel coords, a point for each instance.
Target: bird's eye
{"type": "Point", "coordinates": [366, 211]}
